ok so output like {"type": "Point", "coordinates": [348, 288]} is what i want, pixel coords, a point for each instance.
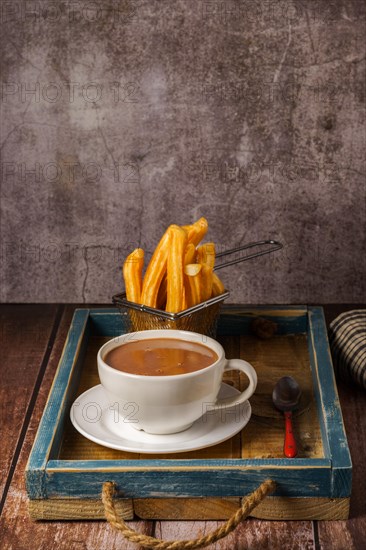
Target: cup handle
{"type": "Point", "coordinates": [246, 368]}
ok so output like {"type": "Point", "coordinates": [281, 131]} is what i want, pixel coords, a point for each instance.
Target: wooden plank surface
{"type": "Point", "coordinates": [276, 508]}
{"type": "Point", "coordinates": [17, 531]}
{"type": "Point", "coordinates": [24, 334]}
{"type": "Point", "coordinates": [273, 358]}
{"type": "Point", "coordinates": [351, 534]}
{"type": "Point", "coordinates": [77, 509]}
{"type": "Point", "coordinates": [263, 436]}
{"type": "Point", "coordinates": [252, 533]}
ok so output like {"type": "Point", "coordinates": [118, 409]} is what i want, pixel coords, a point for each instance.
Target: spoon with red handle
{"type": "Point", "coordinates": [285, 396]}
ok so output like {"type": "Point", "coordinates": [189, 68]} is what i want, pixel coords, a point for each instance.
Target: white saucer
{"type": "Point", "coordinates": [96, 419]}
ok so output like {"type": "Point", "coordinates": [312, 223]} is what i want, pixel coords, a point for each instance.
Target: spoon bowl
{"type": "Point", "coordinates": [286, 394]}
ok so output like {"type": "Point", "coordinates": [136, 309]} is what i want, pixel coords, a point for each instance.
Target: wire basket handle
{"type": "Point", "coordinates": [275, 245]}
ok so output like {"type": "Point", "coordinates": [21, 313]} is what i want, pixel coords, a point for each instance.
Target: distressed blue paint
{"type": "Point", "coordinates": [327, 477]}
{"type": "Point", "coordinates": [237, 319]}
{"type": "Point", "coordinates": [233, 320]}
{"type": "Point", "coordinates": [70, 394]}
{"type": "Point", "coordinates": [341, 480]}
{"type": "Point", "coordinates": [332, 422]}
{"type": "Point", "coordinates": [35, 481]}
{"type": "Point", "coordinates": [50, 421]}
{"type": "Point", "coordinates": [192, 483]}
{"type": "Point", "coordinates": [107, 322]}
{"type": "Point", "coordinates": [243, 463]}
{"type": "Point", "coordinates": [313, 356]}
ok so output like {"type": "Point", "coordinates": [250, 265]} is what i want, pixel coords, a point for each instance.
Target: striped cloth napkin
{"type": "Point", "coordinates": [347, 338]}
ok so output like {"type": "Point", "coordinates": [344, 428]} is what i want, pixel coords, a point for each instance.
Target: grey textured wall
{"type": "Point", "coordinates": [120, 119]}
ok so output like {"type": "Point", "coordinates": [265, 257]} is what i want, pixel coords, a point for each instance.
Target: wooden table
{"type": "Point", "coordinates": [32, 338]}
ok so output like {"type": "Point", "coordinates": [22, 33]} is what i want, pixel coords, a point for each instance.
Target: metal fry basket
{"type": "Point", "coordinates": [201, 318]}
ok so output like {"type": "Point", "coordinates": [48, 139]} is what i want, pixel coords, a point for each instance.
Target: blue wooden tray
{"type": "Point", "coordinates": [308, 487]}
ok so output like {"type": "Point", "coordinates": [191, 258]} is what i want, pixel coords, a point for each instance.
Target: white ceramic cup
{"type": "Point", "coordinates": [170, 404]}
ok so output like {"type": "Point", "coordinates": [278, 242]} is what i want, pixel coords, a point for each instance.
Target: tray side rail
{"type": "Point", "coordinates": [236, 320]}
{"type": "Point", "coordinates": [329, 410]}
{"type": "Point", "coordinates": [50, 429]}
{"type": "Point", "coordinates": [187, 478]}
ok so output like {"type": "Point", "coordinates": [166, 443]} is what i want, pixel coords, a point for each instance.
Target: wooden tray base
{"type": "Point", "coordinates": [264, 435]}
{"type": "Point", "coordinates": [316, 485]}
{"type": "Point", "coordinates": [272, 508]}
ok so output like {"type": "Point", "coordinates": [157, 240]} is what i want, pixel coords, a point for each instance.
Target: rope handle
{"type": "Point", "coordinates": [250, 502]}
